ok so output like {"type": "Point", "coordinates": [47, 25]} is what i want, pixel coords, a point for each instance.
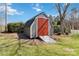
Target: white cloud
{"type": "Point", "coordinates": [37, 7]}
{"type": "Point", "coordinates": [10, 10]}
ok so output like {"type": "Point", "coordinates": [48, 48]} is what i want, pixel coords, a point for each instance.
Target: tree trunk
{"type": "Point", "coordinates": [62, 25]}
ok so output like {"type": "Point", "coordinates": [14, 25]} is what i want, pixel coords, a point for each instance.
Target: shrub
{"type": "Point", "coordinates": [67, 30]}
{"type": "Point", "coordinates": [57, 29]}
{"type": "Point", "coordinates": [15, 27]}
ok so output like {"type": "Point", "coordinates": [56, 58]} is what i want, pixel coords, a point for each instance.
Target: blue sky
{"type": "Point", "coordinates": [21, 12]}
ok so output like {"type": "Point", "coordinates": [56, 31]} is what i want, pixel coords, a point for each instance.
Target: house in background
{"type": "Point", "coordinates": [38, 26]}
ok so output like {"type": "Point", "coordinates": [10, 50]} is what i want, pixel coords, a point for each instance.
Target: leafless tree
{"type": "Point", "coordinates": [74, 18]}
{"type": "Point", "coordinates": [74, 13]}
{"type": "Point", "coordinates": [51, 23]}
{"type": "Point", "coordinates": [62, 9]}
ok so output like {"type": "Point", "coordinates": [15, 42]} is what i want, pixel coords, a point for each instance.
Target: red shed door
{"type": "Point", "coordinates": [42, 27]}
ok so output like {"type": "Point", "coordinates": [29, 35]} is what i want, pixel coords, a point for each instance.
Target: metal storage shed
{"type": "Point", "coordinates": [37, 26]}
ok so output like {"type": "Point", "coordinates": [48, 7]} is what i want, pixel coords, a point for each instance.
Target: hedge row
{"type": "Point", "coordinates": [15, 27]}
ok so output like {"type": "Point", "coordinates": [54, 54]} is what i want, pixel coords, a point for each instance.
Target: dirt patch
{"type": "Point", "coordinates": [68, 49]}
{"type": "Point", "coordinates": [9, 35]}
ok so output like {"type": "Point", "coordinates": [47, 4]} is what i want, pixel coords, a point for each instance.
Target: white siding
{"type": "Point", "coordinates": [49, 27]}
{"type": "Point", "coordinates": [33, 30]}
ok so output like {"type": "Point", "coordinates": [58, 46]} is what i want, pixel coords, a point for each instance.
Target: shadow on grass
{"type": "Point", "coordinates": [20, 36]}
{"type": "Point", "coordinates": [19, 44]}
{"type": "Point", "coordinates": [17, 49]}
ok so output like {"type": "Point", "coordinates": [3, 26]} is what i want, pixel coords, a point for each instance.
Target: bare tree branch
{"type": "Point", "coordinates": [58, 8]}
{"type": "Point", "coordinates": [65, 9]}
{"type": "Point", "coordinates": [62, 9]}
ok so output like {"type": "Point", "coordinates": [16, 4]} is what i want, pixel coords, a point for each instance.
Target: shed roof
{"type": "Point", "coordinates": [29, 22]}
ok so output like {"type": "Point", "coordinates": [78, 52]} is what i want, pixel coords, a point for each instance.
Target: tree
{"type": "Point", "coordinates": [74, 13]}
{"type": "Point", "coordinates": [74, 18]}
{"type": "Point", "coordinates": [62, 9]}
{"type": "Point", "coordinates": [51, 23]}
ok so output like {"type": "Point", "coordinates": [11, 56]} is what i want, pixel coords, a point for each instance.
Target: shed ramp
{"type": "Point", "coordinates": [47, 39]}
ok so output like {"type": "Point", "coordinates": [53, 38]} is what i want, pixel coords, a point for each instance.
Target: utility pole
{"type": "Point", "coordinates": [5, 17]}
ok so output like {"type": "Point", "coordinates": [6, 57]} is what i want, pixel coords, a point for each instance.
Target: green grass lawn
{"type": "Point", "coordinates": [65, 46]}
